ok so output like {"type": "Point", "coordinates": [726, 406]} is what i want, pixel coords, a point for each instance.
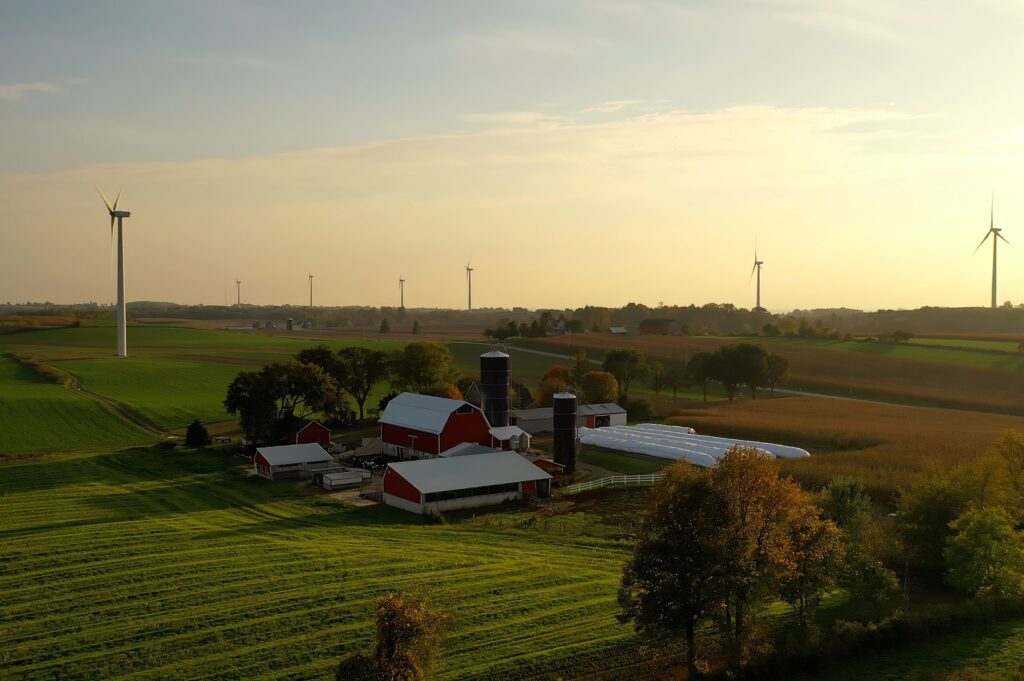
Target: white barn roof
{"type": "Point", "coordinates": [464, 472]}
{"type": "Point", "coordinates": [285, 455]}
{"type": "Point", "coordinates": [606, 408]}
{"type": "Point", "coordinates": [506, 432]}
{"type": "Point", "coordinates": [421, 412]}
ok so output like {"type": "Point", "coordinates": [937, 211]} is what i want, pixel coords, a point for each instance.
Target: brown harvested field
{"type": "Point", "coordinates": [884, 445]}
{"type": "Point", "coordinates": [870, 375]}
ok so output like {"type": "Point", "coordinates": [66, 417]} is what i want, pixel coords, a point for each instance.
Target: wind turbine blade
{"type": "Point", "coordinates": [998, 234]}
{"type": "Point", "coordinates": [983, 240]}
{"type": "Point", "coordinates": [105, 201]}
{"type": "Point", "coordinates": [111, 227]}
{"type": "Point", "coordinates": [118, 197]}
{"type": "Point", "coordinates": [752, 270]}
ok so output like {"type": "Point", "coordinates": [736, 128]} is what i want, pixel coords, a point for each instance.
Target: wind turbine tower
{"type": "Point", "coordinates": [758, 264]}
{"type": "Point", "coordinates": [122, 311]}
{"type": "Point", "coordinates": [311, 290]}
{"type": "Point", "coordinates": [401, 292]}
{"type": "Point", "coordinates": [996, 234]}
{"type": "Point", "coordinates": [469, 283]}
{"type": "Point", "coordinates": [238, 293]}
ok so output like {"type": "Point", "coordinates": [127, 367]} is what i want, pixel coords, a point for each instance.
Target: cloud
{"type": "Point", "coordinates": [614, 105]}
{"type": "Point", "coordinates": [514, 118]}
{"type": "Point", "coordinates": [663, 200]}
{"type": "Point", "coordinates": [18, 91]}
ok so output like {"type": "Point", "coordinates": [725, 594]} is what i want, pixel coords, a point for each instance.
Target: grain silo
{"type": "Point", "coordinates": [564, 423]}
{"type": "Point", "coordinates": [495, 381]}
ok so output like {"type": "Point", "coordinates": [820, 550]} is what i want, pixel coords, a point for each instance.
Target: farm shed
{"type": "Point", "coordinates": [541, 419]}
{"type": "Point", "coordinates": [550, 467]}
{"type": "Point", "coordinates": [511, 438]}
{"type": "Point", "coordinates": [618, 330]}
{"type": "Point", "coordinates": [288, 461]}
{"type": "Point", "coordinates": [421, 426]}
{"type": "Point", "coordinates": [660, 327]}
{"type": "Point", "coordinates": [453, 483]}
{"type": "Point", "coordinates": [338, 480]}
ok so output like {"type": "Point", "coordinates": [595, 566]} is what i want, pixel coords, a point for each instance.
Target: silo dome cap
{"type": "Point", "coordinates": [564, 396]}
{"type": "Point", "coordinates": [494, 353]}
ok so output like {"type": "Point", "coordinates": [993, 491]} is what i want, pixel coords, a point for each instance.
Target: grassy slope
{"type": "Point", "coordinates": [149, 565]}
{"type": "Point", "coordinates": [37, 415]}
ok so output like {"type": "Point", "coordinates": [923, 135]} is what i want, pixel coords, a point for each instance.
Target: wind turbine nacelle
{"type": "Point", "coordinates": [121, 214]}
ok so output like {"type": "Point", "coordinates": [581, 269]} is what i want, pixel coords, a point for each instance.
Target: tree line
{"type": "Point", "coordinates": [718, 547]}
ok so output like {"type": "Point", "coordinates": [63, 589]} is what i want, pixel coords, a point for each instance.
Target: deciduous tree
{"type": "Point", "coordinates": [625, 365]}
{"type": "Point", "coordinates": [361, 370]}
{"type": "Point", "coordinates": [420, 366]}
{"type": "Point", "coordinates": [599, 387]}
{"type": "Point", "coordinates": [985, 555]}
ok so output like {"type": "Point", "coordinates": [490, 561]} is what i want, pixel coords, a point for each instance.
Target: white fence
{"type": "Point", "coordinates": [615, 481]}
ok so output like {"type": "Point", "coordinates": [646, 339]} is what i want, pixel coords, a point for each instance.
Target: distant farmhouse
{"type": "Point", "coordinates": [660, 327]}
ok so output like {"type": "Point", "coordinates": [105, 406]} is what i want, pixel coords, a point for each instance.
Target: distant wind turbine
{"type": "Point", "coordinates": [401, 292]}
{"type": "Point", "coordinates": [469, 283]}
{"type": "Point", "coordinates": [996, 234]}
{"type": "Point", "coordinates": [757, 269]}
{"type": "Point", "coordinates": [311, 290]}
{"type": "Point", "coordinates": [238, 292]}
{"type": "Point", "coordinates": [122, 312]}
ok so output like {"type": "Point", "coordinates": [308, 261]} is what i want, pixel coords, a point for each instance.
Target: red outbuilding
{"type": "Point", "coordinates": [422, 426]}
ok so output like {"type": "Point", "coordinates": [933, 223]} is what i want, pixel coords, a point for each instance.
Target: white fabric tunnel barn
{"type": "Point", "coordinates": [678, 443]}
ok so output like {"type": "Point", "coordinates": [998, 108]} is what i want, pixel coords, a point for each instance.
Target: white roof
{"type": "Point", "coordinates": [464, 472]}
{"type": "Point", "coordinates": [506, 432]}
{"type": "Point", "coordinates": [341, 477]}
{"type": "Point", "coordinates": [420, 412]}
{"type": "Point", "coordinates": [467, 448]}
{"type": "Point", "coordinates": [290, 454]}
{"type": "Point", "coordinates": [606, 408]}
{"type": "Point", "coordinates": [581, 409]}
{"type": "Point", "coordinates": [494, 353]}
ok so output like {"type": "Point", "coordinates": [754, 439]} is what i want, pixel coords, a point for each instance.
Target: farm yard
{"type": "Point", "coordinates": [115, 558]}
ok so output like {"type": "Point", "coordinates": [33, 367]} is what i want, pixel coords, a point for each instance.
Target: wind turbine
{"type": "Point", "coordinates": [401, 291]}
{"type": "Point", "coordinates": [469, 282]}
{"type": "Point", "coordinates": [238, 292]}
{"type": "Point", "coordinates": [122, 312]}
{"type": "Point", "coordinates": [311, 290]}
{"type": "Point", "coordinates": [757, 268]}
{"type": "Point", "coordinates": [996, 234]}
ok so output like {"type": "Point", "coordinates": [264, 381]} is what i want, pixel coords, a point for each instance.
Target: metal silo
{"type": "Point", "coordinates": [495, 380]}
{"type": "Point", "coordinates": [564, 422]}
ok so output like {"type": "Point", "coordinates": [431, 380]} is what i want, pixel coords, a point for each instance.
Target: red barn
{"type": "Point", "coordinates": [422, 426]}
{"type": "Point", "coordinates": [447, 484]}
{"type": "Point", "coordinates": [314, 431]}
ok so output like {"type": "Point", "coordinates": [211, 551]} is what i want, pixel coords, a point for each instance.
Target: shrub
{"type": "Point", "coordinates": [639, 409]}
{"type": "Point", "coordinates": [196, 435]}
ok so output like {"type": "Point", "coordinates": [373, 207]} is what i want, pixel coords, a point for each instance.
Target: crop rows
{"type": "Point", "coordinates": [136, 565]}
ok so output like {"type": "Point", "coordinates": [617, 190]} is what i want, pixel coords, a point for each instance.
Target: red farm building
{"type": "Point", "coordinates": [452, 483]}
{"type": "Point", "coordinates": [422, 426]}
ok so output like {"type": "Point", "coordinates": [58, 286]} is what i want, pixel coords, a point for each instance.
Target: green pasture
{"type": "Point", "coordinates": [619, 462]}
{"type": "Point", "coordinates": [37, 415]}
{"type": "Point", "coordinates": [991, 345]}
{"type": "Point", "coordinates": [146, 564]}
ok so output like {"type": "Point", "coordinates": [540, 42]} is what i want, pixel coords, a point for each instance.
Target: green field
{"type": "Point", "coordinates": [970, 344]}
{"type": "Point", "coordinates": [619, 462]}
{"type": "Point", "coordinates": [146, 564]}
{"type": "Point", "coordinates": [172, 375]}
{"type": "Point", "coordinates": [37, 415]}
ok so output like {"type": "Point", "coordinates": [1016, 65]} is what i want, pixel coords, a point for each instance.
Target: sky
{"type": "Point", "coordinates": [574, 152]}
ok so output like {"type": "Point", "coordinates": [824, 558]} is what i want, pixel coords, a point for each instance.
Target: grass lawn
{"type": "Point", "coordinates": [620, 462]}
{"type": "Point", "coordinates": [146, 564]}
{"type": "Point", "coordinates": [36, 415]}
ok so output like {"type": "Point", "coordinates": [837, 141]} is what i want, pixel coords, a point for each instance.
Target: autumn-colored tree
{"type": "Point", "coordinates": [755, 532]}
{"type": "Point", "coordinates": [985, 555]}
{"type": "Point", "coordinates": [409, 635]}
{"type": "Point", "coordinates": [547, 390]}
{"type": "Point", "coordinates": [557, 371]}
{"type": "Point", "coordinates": [599, 387]}
{"type": "Point", "coordinates": [817, 551]}
{"type": "Point", "coordinates": [669, 584]}
{"type": "Point", "coordinates": [1009, 449]}
{"type": "Point", "coordinates": [448, 390]}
